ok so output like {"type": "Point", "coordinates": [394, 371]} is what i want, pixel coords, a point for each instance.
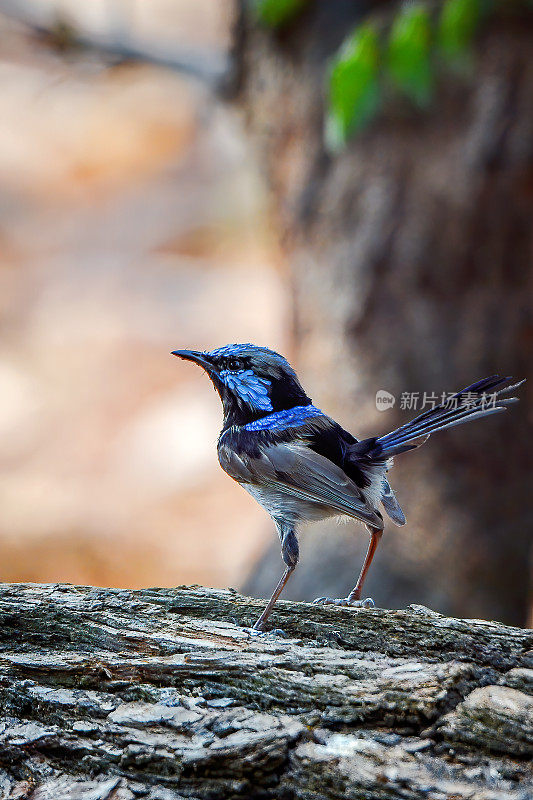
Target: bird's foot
{"type": "Point", "coordinates": [260, 632]}
{"type": "Point", "coordinates": [345, 601]}
{"type": "Point", "coordinates": [254, 632]}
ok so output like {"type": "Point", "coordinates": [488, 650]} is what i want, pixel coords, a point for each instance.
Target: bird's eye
{"type": "Point", "coordinates": [234, 364]}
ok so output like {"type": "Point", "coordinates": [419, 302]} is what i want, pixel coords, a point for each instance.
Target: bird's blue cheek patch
{"type": "Point", "coordinates": [249, 388]}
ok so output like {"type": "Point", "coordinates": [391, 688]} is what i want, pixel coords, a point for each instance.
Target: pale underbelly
{"type": "Point", "coordinates": [282, 505]}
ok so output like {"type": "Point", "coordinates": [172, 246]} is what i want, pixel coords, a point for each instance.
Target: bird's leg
{"type": "Point", "coordinates": [271, 603]}
{"type": "Point", "coordinates": [290, 552]}
{"type": "Point", "coordinates": [355, 594]}
{"type": "Point", "coordinates": [354, 598]}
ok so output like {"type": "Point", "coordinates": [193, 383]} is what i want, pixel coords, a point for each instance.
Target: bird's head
{"type": "Point", "coordinates": [252, 381]}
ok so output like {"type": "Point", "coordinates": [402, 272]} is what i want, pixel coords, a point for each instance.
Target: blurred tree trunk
{"type": "Point", "coordinates": [410, 255]}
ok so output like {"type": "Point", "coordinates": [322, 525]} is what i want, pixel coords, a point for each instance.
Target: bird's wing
{"type": "Point", "coordinates": [296, 470]}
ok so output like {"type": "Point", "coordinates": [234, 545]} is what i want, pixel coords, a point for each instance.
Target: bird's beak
{"type": "Point", "coordinates": [196, 356]}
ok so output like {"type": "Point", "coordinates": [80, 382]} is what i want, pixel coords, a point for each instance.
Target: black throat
{"type": "Point", "coordinates": [284, 394]}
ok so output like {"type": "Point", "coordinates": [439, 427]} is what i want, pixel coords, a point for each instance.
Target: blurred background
{"type": "Point", "coordinates": [187, 173]}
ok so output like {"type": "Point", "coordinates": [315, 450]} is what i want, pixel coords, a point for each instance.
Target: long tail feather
{"type": "Point", "coordinates": [473, 402]}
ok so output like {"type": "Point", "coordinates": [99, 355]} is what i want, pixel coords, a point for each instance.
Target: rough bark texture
{"type": "Point", "coordinates": [112, 695]}
{"type": "Point", "coordinates": [410, 256]}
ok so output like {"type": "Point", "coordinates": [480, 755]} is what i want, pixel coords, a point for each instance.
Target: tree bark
{"type": "Point", "coordinates": [410, 258]}
{"type": "Point", "coordinates": [161, 693]}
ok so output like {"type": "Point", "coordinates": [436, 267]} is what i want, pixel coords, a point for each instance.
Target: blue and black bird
{"type": "Point", "coordinates": [300, 464]}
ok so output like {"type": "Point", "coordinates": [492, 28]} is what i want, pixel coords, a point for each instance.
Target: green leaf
{"type": "Point", "coordinates": [276, 13]}
{"type": "Point", "coordinates": [409, 54]}
{"type": "Point", "coordinates": [354, 92]}
{"type": "Point", "coordinates": [458, 23]}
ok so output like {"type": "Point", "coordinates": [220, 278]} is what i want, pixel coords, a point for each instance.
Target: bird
{"type": "Point", "coordinates": [300, 465]}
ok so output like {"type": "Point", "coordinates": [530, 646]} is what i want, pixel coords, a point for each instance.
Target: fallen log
{"type": "Point", "coordinates": [165, 694]}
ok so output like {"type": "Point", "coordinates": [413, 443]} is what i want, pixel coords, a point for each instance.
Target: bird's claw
{"type": "Point", "coordinates": [345, 601]}
{"type": "Point", "coordinates": [254, 632]}
{"type": "Point", "coordinates": [260, 632]}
